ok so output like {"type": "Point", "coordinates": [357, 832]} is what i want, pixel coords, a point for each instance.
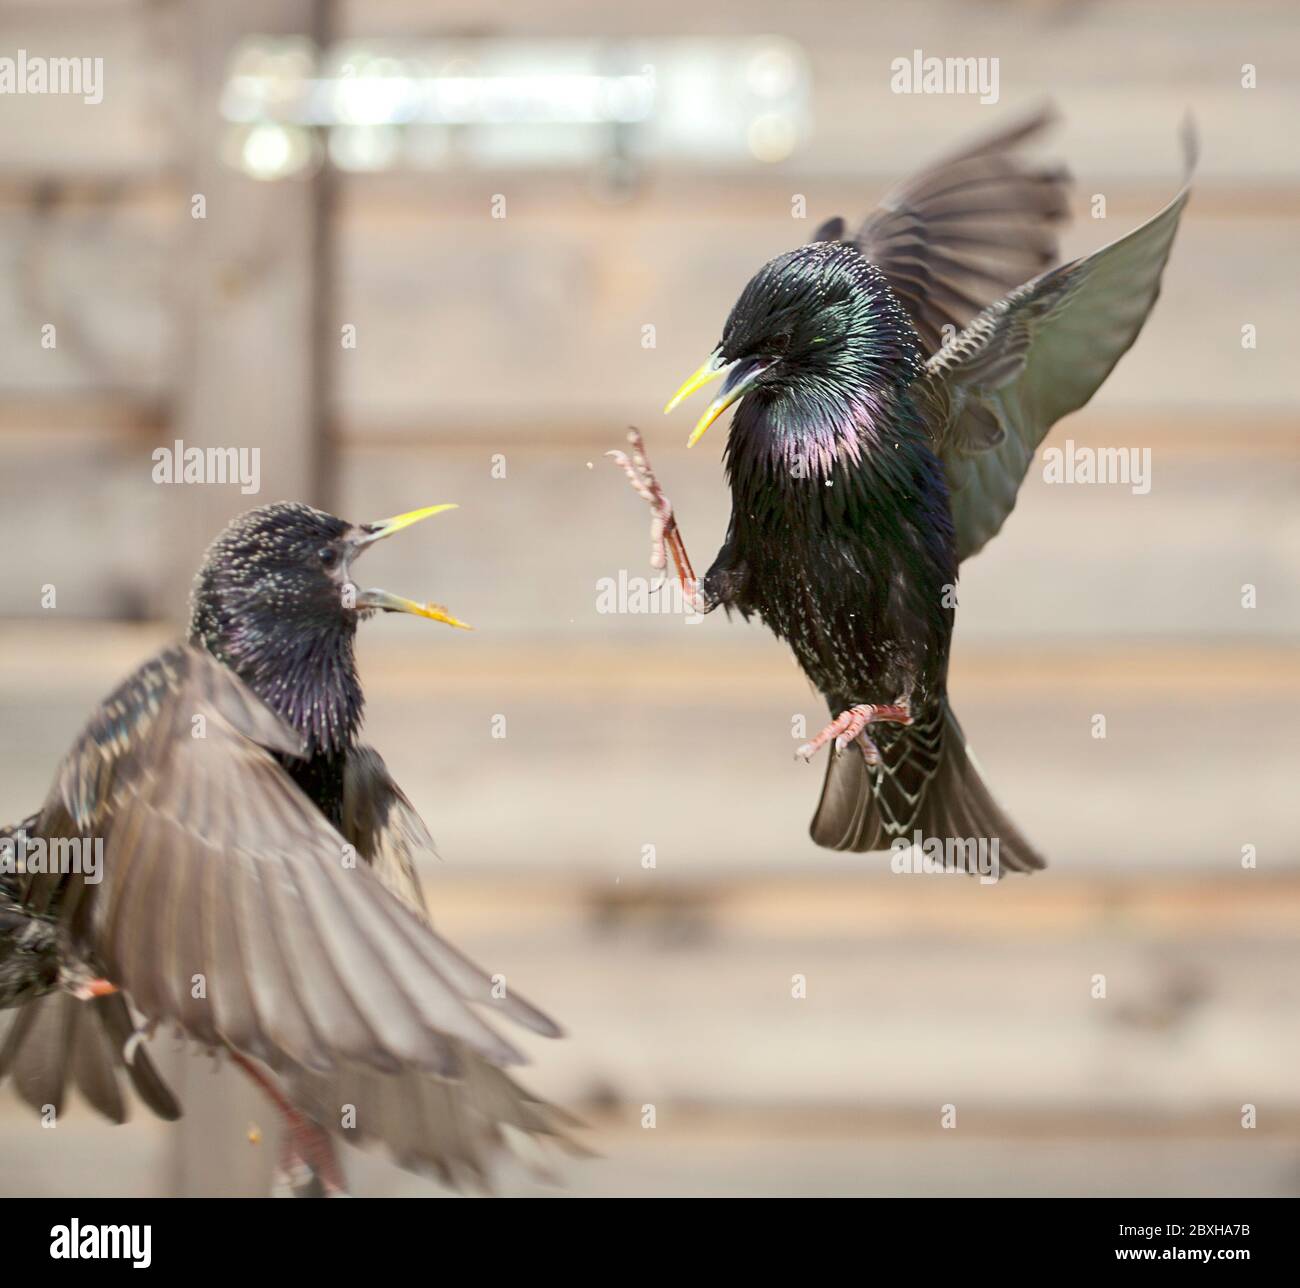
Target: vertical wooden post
{"type": "Point", "coordinates": [252, 280]}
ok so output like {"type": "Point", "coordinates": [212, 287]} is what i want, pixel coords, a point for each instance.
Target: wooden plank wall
{"type": "Point", "coordinates": [522, 337]}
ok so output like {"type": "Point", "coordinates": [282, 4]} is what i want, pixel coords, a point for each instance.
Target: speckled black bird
{"type": "Point", "coordinates": [891, 389]}
{"type": "Point", "coordinates": [30, 965]}
{"type": "Point", "coordinates": [259, 890]}
{"type": "Point", "coordinates": [87, 1039]}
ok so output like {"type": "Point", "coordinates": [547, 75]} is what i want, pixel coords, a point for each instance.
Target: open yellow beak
{"type": "Point", "coordinates": [709, 370]}
{"type": "Point", "coordinates": [389, 603]}
{"type": "Point", "coordinates": [739, 379]}
{"type": "Point", "coordinates": [383, 600]}
{"type": "Point", "coordinates": [386, 527]}
{"type": "Point", "coordinates": [711, 413]}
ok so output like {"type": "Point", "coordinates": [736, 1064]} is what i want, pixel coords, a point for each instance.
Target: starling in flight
{"type": "Point", "coordinates": [891, 387]}
{"type": "Point", "coordinates": [259, 890]}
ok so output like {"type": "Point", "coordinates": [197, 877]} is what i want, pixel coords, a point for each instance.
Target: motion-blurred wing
{"type": "Point", "coordinates": [58, 1039]}
{"type": "Point", "coordinates": [453, 1130]}
{"type": "Point", "coordinates": [1034, 357]}
{"type": "Point", "coordinates": [53, 1038]}
{"type": "Point", "coordinates": [966, 230]}
{"type": "Point", "coordinates": [229, 906]}
{"type": "Point", "coordinates": [382, 824]}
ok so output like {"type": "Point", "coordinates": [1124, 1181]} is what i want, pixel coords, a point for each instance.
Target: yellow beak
{"type": "Point", "coordinates": [709, 370]}
{"type": "Point", "coordinates": [735, 388]}
{"type": "Point", "coordinates": [711, 413]}
{"type": "Point", "coordinates": [383, 600]}
{"type": "Point", "coordinates": [389, 603]}
{"type": "Point", "coordinates": [386, 527]}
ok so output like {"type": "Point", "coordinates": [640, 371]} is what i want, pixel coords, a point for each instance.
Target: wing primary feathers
{"type": "Point", "coordinates": [1036, 356]}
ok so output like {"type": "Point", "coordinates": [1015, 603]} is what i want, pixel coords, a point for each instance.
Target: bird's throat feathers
{"type": "Point", "coordinates": [802, 434]}
{"type": "Point", "coordinates": [307, 677]}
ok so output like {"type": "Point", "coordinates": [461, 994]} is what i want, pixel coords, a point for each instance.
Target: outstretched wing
{"type": "Point", "coordinates": [230, 907]}
{"type": "Point", "coordinates": [456, 1131]}
{"type": "Point", "coordinates": [58, 1039]}
{"type": "Point", "coordinates": [966, 230]}
{"type": "Point", "coordinates": [51, 1037]}
{"type": "Point", "coordinates": [453, 1130]}
{"type": "Point", "coordinates": [388, 834]}
{"type": "Point", "coordinates": [1034, 357]}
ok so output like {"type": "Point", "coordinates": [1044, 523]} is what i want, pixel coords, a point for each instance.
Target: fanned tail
{"type": "Point", "coordinates": [928, 783]}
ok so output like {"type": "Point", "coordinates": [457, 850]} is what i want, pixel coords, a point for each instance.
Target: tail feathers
{"type": "Point", "coordinates": [58, 1038]}
{"type": "Point", "coordinates": [454, 1131]}
{"type": "Point", "coordinates": [929, 783]}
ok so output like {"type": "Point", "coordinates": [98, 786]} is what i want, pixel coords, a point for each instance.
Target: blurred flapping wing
{"type": "Point", "coordinates": [230, 907]}
{"type": "Point", "coordinates": [965, 230]}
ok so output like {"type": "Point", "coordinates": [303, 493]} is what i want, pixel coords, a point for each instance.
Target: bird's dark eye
{"type": "Point", "coordinates": [780, 342]}
{"type": "Point", "coordinates": [328, 556]}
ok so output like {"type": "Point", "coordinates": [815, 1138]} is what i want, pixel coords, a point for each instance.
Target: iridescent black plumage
{"type": "Point", "coordinates": [840, 537]}
{"type": "Point", "coordinates": [883, 426]}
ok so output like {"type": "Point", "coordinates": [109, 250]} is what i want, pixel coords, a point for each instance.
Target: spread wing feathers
{"type": "Point", "coordinates": [52, 1033]}
{"type": "Point", "coordinates": [1034, 357]}
{"type": "Point", "coordinates": [228, 906]}
{"type": "Point", "coordinates": [382, 824]}
{"type": "Point", "coordinates": [928, 783]}
{"type": "Point", "coordinates": [450, 1130]}
{"type": "Point", "coordinates": [56, 1036]}
{"type": "Point", "coordinates": [965, 231]}
{"type": "Point", "coordinates": [455, 1132]}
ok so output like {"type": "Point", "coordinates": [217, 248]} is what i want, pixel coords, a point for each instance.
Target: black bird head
{"type": "Point", "coordinates": [816, 332]}
{"type": "Point", "coordinates": [275, 601]}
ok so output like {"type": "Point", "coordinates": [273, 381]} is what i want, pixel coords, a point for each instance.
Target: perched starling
{"type": "Point", "coordinates": [259, 889]}
{"type": "Point", "coordinates": [888, 404]}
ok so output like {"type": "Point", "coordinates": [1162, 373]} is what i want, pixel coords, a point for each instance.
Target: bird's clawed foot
{"type": "Point", "coordinates": [664, 536]}
{"type": "Point", "coordinates": [309, 1165]}
{"type": "Point", "coordinates": [642, 477]}
{"type": "Point", "coordinates": [851, 726]}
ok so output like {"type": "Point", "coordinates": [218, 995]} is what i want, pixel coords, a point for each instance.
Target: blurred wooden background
{"type": "Point", "coordinates": [522, 337]}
